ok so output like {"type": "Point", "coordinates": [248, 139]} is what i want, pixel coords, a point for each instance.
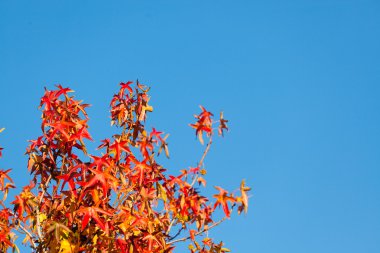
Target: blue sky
{"type": "Point", "coordinates": [298, 80]}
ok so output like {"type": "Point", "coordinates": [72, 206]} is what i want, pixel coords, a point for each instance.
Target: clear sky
{"type": "Point", "coordinates": [298, 80]}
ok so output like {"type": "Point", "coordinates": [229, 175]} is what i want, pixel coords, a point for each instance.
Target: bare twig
{"type": "Point", "coordinates": [177, 234]}
{"type": "Point", "coordinates": [170, 227]}
{"type": "Point", "coordinates": [202, 160]}
{"type": "Point", "coordinates": [205, 152]}
{"type": "Point", "coordinates": [28, 233]}
{"type": "Point", "coordinates": [199, 232]}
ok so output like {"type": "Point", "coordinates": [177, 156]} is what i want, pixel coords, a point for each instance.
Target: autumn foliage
{"type": "Point", "coordinates": [120, 201]}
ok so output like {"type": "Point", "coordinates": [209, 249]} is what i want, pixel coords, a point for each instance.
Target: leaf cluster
{"type": "Point", "coordinates": [120, 201]}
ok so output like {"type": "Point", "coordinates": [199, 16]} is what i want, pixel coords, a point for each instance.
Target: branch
{"type": "Point", "coordinates": [199, 232]}
{"type": "Point", "coordinates": [205, 152]}
{"type": "Point", "coordinates": [177, 234]}
{"type": "Point", "coordinates": [39, 232]}
{"type": "Point", "coordinates": [202, 159]}
{"type": "Point", "coordinates": [170, 226]}
{"type": "Point", "coordinates": [28, 233]}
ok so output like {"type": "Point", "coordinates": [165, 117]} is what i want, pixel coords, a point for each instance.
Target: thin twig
{"type": "Point", "coordinates": [29, 234]}
{"type": "Point", "coordinates": [205, 152]}
{"type": "Point", "coordinates": [202, 160]}
{"type": "Point", "coordinates": [198, 233]}
{"type": "Point", "coordinates": [39, 232]}
{"type": "Point", "coordinates": [177, 234]}
{"type": "Point", "coordinates": [170, 227]}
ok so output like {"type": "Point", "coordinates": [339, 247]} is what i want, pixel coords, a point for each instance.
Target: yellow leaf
{"type": "Point", "coordinates": [66, 247]}
{"type": "Point", "coordinates": [42, 217]}
{"type": "Point", "coordinates": [148, 108]}
{"type": "Point", "coordinates": [26, 239]}
{"type": "Point", "coordinates": [136, 232]}
{"type": "Point", "coordinates": [95, 239]}
{"type": "Point", "coordinates": [2, 129]}
{"type": "Point", "coordinates": [162, 192]}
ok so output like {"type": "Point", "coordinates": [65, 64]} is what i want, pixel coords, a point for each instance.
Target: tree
{"type": "Point", "coordinates": [119, 201]}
